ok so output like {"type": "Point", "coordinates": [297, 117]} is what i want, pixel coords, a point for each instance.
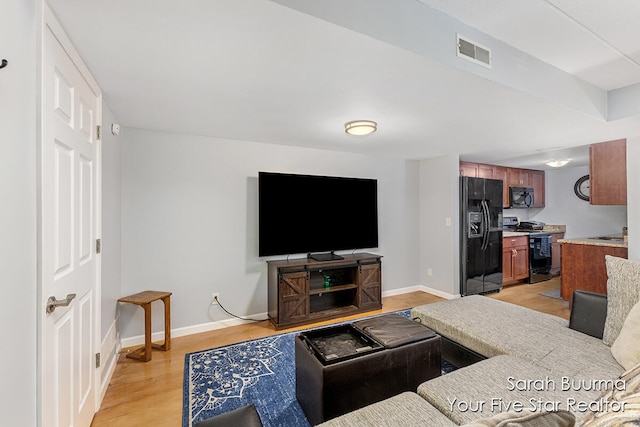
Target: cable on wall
{"type": "Point", "coordinates": [3, 63]}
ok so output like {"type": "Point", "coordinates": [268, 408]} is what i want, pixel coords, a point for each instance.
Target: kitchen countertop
{"type": "Point", "coordinates": [514, 233]}
{"type": "Point", "coordinates": [546, 229]}
{"type": "Point", "coordinates": [594, 241]}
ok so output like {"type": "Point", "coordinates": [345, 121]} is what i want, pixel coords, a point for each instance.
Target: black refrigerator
{"type": "Point", "coordinates": [480, 235]}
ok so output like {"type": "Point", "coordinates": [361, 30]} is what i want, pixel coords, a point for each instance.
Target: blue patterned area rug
{"type": "Point", "coordinates": [260, 371]}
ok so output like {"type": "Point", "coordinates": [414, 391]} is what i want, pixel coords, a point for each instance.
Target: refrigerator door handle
{"type": "Point", "coordinates": [486, 228]}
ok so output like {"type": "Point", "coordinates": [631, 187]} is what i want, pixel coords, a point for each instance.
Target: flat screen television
{"type": "Point", "coordinates": [309, 213]}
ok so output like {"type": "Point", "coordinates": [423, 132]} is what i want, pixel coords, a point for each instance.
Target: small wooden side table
{"type": "Point", "coordinates": [144, 299]}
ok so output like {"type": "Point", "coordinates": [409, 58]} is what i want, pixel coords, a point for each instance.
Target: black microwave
{"type": "Point", "coordinates": [521, 197]}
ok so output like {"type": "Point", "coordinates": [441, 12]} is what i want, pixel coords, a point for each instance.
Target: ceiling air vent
{"type": "Point", "coordinates": [473, 52]}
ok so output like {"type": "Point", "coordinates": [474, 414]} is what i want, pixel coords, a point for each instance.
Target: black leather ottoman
{"type": "Point", "coordinates": [327, 388]}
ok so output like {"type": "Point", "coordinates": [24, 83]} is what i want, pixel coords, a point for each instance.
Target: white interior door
{"type": "Point", "coordinates": [70, 263]}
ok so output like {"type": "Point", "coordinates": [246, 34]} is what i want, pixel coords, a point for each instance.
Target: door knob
{"type": "Point", "coordinates": [53, 303]}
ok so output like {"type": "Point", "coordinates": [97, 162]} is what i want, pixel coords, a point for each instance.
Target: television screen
{"type": "Point", "coordinates": [306, 213]}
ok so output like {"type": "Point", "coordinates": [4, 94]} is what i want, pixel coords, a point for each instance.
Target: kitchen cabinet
{"type": "Point", "coordinates": [515, 259]}
{"type": "Point", "coordinates": [529, 178]}
{"type": "Point", "coordinates": [536, 180]}
{"type": "Point", "coordinates": [500, 172]}
{"type": "Point", "coordinates": [583, 267]}
{"type": "Point", "coordinates": [510, 177]}
{"type": "Point", "coordinates": [608, 173]}
{"type": "Point", "coordinates": [518, 177]}
{"type": "Point", "coordinates": [556, 251]}
{"type": "Point", "coordinates": [469, 169]}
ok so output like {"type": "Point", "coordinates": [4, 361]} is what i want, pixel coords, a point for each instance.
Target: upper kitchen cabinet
{"type": "Point", "coordinates": [518, 177]}
{"type": "Point", "coordinates": [536, 178]}
{"type": "Point", "coordinates": [608, 173]}
{"type": "Point", "coordinates": [469, 169]}
{"type": "Point", "coordinates": [500, 172]}
{"type": "Point", "coordinates": [529, 178]}
{"type": "Point", "coordinates": [481, 170]}
{"type": "Point", "coordinates": [510, 177]}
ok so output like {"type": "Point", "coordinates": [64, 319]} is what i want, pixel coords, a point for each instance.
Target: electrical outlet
{"type": "Point", "coordinates": [429, 272]}
{"type": "Point", "coordinates": [214, 297]}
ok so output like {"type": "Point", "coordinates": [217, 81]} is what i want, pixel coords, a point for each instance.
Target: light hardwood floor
{"type": "Point", "coordinates": [151, 393]}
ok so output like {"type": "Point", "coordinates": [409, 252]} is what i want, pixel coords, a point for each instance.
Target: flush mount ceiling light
{"type": "Point", "coordinates": [360, 127]}
{"type": "Point", "coordinates": [557, 163]}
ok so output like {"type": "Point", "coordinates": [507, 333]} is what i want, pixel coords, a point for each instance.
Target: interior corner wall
{"type": "Point", "coordinates": [19, 23]}
{"type": "Point", "coordinates": [111, 288]}
{"type": "Point", "coordinates": [189, 220]}
{"type": "Point", "coordinates": [439, 241]}
{"type": "Point", "coordinates": [633, 196]}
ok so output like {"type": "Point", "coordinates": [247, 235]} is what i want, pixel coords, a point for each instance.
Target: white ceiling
{"type": "Point", "coordinates": [257, 70]}
{"type": "Point", "coordinates": [592, 39]}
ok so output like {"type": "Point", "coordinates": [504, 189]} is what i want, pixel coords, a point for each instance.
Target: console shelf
{"type": "Point", "coordinates": [305, 290]}
{"type": "Point", "coordinates": [332, 289]}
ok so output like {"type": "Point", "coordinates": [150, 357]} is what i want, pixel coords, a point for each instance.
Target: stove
{"type": "Point", "coordinates": [511, 223]}
{"type": "Point", "coordinates": [531, 226]}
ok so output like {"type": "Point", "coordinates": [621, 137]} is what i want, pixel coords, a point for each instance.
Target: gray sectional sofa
{"type": "Point", "coordinates": [536, 370]}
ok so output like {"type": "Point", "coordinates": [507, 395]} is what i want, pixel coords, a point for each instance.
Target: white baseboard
{"type": "Point", "coordinates": [206, 327]}
{"type": "Point", "coordinates": [108, 357]}
{"type": "Point", "coordinates": [195, 329]}
{"type": "Point", "coordinates": [421, 288]}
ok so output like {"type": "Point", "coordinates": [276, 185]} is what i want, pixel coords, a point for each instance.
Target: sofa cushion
{"type": "Point", "coordinates": [527, 419]}
{"type": "Point", "coordinates": [491, 327]}
{"type": "Point", "coordinates": [623, 291]}
{"type": "Point", "coordinates": [486, 326]}
{"type": "Point", "coordinates": [611, 411]}
{"type": "Point", "coordinates": [403, 410]}
{"type": "Point", "coordinates": [497, 384]}
{"type": "Point", "coordinates": [626, 348]}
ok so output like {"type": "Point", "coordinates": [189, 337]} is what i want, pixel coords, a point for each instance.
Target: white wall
{"type": "Point", "coordinates": [111, 222]}
{"type": "Point", "coordinates": [18, 222]}
{"type": "Point", "coordinates": [562, 206]}
{"type": "Point", "coordinates": [439, 242]}
{"type": "Point", "coordinates": [189, 220]}
{"type": "Point", "coordinates": [633, 196]}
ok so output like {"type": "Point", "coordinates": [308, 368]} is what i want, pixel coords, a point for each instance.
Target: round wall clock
{"type": "Point", "coordinates": [581, 188]}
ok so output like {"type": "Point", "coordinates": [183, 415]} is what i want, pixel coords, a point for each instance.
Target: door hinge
{"type": "Point", "coordinates": [97, 360]}
{"type": "Point", "coordinates": [99, 131]}
{"type": "Point", "coordinates": [98, 245]}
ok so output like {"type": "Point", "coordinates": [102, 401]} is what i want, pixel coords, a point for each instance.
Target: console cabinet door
{"type": "Point", "coordinates": [293, 297]}
{"type": "Point", "coordinates": [370, 285]}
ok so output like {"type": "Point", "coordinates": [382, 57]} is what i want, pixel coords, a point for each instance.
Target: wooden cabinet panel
{"type": "Point", "coordinates": [521, 263]}
{"type": "Point", "coordinates": [469, 169]}
{"type": "Point", "coordinates": [515, 259]}
{"type": "Point", "coordinates": [507, 268]}
{"type": "Point", "coordinates": [583, 267]}
{"type": "Point", "coordinates": [518, 177]}
{"type": "Point", "coordinates": [556, 251]}
{"type": "Point", "coordinates": [608, 173]}
{"type": "Point", "coordinates": [536, 178]}
{"type": "Point", "coordinates": [293, 290]}
{"type": "Point", "coordinates": [370, 285]}
{"type": "Point", "coordinates": [485, 171]}
{"type": "Point", "coordinates": [500, 173]}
